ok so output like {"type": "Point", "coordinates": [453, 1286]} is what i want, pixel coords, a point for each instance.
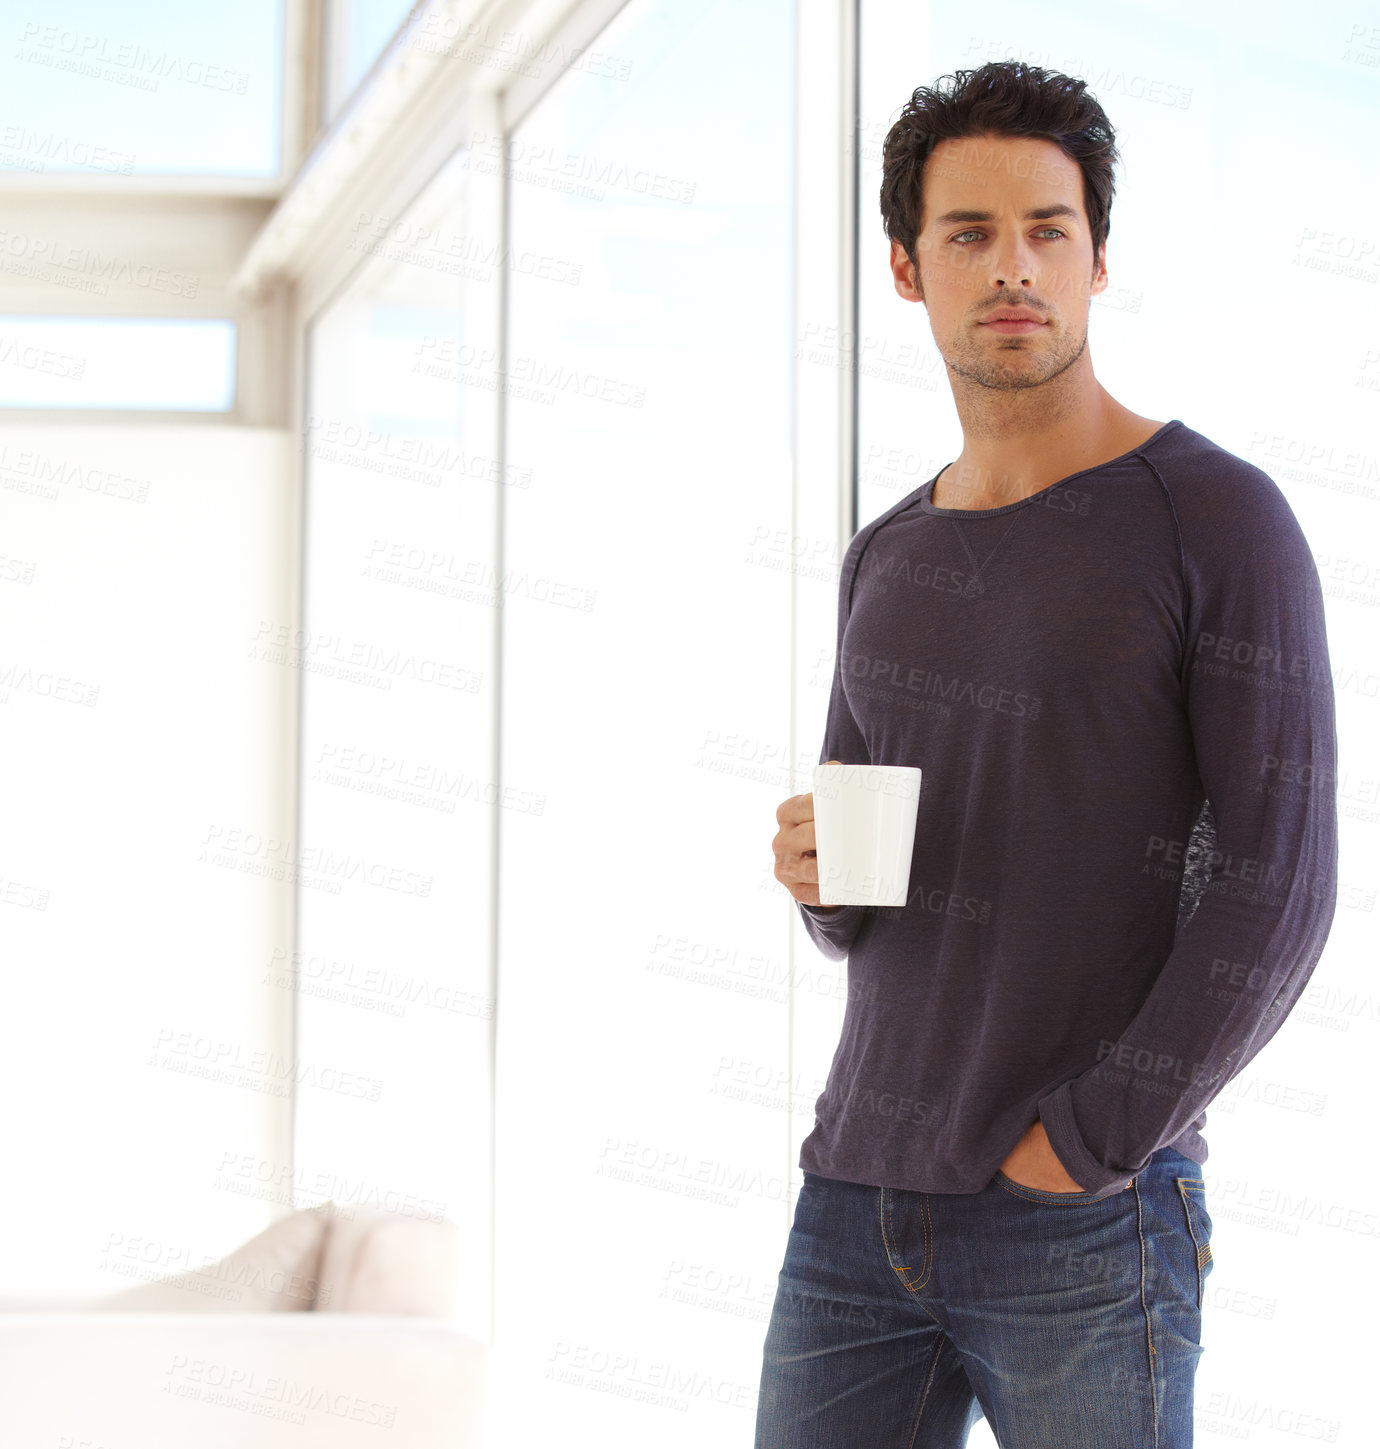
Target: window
{"type": "Point", "coordinates": [646, 699]}
{"type": "Point", "coordinates": [146, 86]}
{"type": "Point", "coordinates": [391, 974]}
{"type": "Point", "coordinates": [356, 33]}
{"type": "Point", "coordinates": [117, 362]}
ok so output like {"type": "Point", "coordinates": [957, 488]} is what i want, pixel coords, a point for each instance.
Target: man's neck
{"type": "Point", "coordinates": [1007, 458]}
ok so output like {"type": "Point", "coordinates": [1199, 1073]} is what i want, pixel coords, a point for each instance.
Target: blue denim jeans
{"type": "Point", "coordinates": [1069, 1322]}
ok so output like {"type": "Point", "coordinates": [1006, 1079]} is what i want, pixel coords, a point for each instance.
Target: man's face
{"type": "Point", "coordinates": [970, 267]}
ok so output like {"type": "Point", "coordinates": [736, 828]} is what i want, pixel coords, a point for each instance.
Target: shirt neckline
{"type": "Point", "coordinates": [927, 489]}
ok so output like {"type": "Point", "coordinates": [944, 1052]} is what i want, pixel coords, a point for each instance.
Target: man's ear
{"type": "Point", "coordinates": [1099, 272]}
{"type": "Point", "coordinates": [905, 275]}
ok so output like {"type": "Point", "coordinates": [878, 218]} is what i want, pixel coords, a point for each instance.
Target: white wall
{"type": "Point", "coordinates": [148, 759]}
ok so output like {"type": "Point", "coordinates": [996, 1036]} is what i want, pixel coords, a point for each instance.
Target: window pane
{"type": "Point", "coordinates": [143, 86]}
{"type": "Point", "coordinates": [117, 362]}
{"type": "Point", "coordinates": [392, 968]}
{"type": "Point", "coordinates": [356, 33]}
{"type": "Point", "coordinates": [646, 691]}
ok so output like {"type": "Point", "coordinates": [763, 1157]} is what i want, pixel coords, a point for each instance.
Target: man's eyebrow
{"type": "Point", "coordinates": [1041, 213]}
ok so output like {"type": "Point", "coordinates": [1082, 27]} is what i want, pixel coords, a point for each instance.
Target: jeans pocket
{"type": "Point", "coordinates": [1193, 1197]}
{"type": "Point", "coordinates": [1038, 1194]}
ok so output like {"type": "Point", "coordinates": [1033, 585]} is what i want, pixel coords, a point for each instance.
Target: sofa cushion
{"type": "Point", "coordinates": [276, 1270]}
{"type": "Point", "coordinates": [376, 1261]}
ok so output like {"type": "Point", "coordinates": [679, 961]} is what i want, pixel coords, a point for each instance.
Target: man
{"type": "Point", "coordinates": [1101, 637]}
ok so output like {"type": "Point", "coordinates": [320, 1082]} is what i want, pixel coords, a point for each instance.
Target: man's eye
{"type": "Point", "coordinates": [1045, 230]}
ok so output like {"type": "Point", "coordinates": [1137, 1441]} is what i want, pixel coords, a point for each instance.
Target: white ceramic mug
{"type": "Point", "coordinates": [865, 819]}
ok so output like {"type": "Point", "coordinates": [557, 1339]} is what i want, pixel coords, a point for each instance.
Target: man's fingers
{"type": "Point", "coordinates": [799, 807]}
{"type": "Point", "coordinates": [796, 841]}
{"type": "Point", "coordinates": [796, 809]}
{"type": "Point", "coordinates": [798, 860]}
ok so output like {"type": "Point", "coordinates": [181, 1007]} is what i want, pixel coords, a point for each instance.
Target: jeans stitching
{"type": "Point", "coordinates": [883, 1209]}
{"type": "Point", "coordinates": [929, 1241]}
{"type": "Point", "coordinates": [925, 1392]}
{"type": "Point", "coordinates": [1202, 1244]}
{"type": "Point", "coordinates": [1149, 1326]}
{"type": "Point", "coordinates": [1060, 1199]}
{"type": "Point", "coordinates": [902, 1269]}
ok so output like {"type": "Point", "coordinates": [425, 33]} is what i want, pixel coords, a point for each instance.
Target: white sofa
{"type": "Point", "coordinates": [329, 1330]}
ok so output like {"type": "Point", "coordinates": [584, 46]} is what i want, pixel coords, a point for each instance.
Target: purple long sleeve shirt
{"type": "Point", "coordinates": [1125, 866]}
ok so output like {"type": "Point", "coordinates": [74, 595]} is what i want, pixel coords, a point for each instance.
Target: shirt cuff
{"type": "Point", "coordinates": [1056, 1113]}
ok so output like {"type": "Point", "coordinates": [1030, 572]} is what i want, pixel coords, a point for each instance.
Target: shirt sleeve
{"type": "Point", "coordinates": [1257, 688]}
{"type": "Point", "coordinates": [834, 928]}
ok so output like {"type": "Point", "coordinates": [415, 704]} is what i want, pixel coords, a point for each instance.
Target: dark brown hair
{"type": "Point", "coordinates": [1006, 98]}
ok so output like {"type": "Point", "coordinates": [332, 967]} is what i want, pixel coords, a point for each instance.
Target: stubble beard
{"type": "Point", "coordinates": [1011, 369]}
